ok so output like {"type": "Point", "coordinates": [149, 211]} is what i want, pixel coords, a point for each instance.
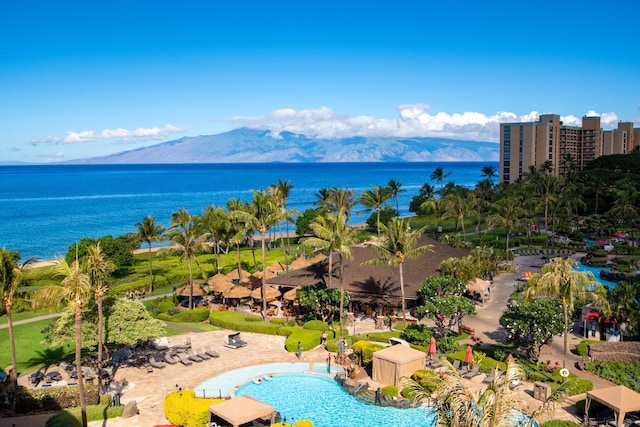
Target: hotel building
{"type": "Point", "coordinates": [533, 143]}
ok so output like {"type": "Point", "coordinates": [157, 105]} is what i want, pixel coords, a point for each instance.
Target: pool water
{"type": "Point", "coordinates": [223, 384]}
{"type": "Point", "coordinates": [596, 272]}
{"type": "Point", "coordinates": [322, 400]}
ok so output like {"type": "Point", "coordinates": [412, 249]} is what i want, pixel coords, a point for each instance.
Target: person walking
{"type": "Point", "coordinates": [299, 353]}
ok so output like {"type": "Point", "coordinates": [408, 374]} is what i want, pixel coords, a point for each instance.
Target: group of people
{"type": "Point", "coordinates": [136, 295]}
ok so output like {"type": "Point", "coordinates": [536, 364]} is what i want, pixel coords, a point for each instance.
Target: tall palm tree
{"type": "Point", "coordinates": [184, 232]}
{"type": "Point", "coordinates": [279, 192]}
{"type": "Point", "coordinates": [285, 187]}
{"type": "Point", "coordinates": [11, 277]}
{"type": "Point", "coordinates": [457, 405]}
{"type": "Point", "coordinates": [375, 198]}
{"type": "Point", "coordinates": [150, 231]}
{"type": "Point", "coordinates": [216, 225]}
{"type": "Point", "coordinates": [333, 233]}
{"type": "Point", "coordinates": [396, 188]}
{"type": "Point", "coordinates": [340, 201]}
{"type": "Point", "coordinates": [261, 216]}
{"type": "Point", "coordinates": [439, 175]}
{"type": "Point", "coordinates": [489, 172]}
{"type": "Point", "coordinates": [546, 188]}
{"type": "Point", "coordinates": [238, 231]}
{"type": "Point", "coordinates": [457, 204]}
{"type": "Point", "coordinates": [506, 213]}
{"type": "Point", "coordinates": [99, 268]}
{"type": "Point", "coordinates": [558, 279]}
{"type": "Point", "coordinates": [625, 204]}
{"type": "Point", "coordinates": [396, 247]}
{"type": "Point", "coordinates": [74, 290]}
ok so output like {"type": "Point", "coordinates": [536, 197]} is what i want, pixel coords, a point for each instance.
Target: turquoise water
{"type": "Point", "coordinates": [323, 401]}
{"type": "Point", "coordinates": [224, 384]}
{"type": "Point", "coordinates": [596, 272]}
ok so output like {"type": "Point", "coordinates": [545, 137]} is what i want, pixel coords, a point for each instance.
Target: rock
{"type": "Point", "coordinates": [130, 409]}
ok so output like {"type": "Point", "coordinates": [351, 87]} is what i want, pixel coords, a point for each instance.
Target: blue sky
{"type": "Point", "coordinates": [80, 79]}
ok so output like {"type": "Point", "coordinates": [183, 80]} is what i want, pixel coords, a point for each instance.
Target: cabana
{"type": "Point", "coordinates": [479, 286]}
{"type": "Point", "coordinates": [241, 410]}
{"type": "Point", "coordinates": [392, 363]}
{"type": "Point", "coordinates": [619, 398]}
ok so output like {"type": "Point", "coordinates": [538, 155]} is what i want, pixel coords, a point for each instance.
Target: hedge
{"type": "Point", "coordinates": [238, 322]}
{"type": "Point", "coordinates": [184, 409]}
{"type": "Point", "coordinates": [196, 315]}
{"type": "Point", "coordinates": [53, 398]}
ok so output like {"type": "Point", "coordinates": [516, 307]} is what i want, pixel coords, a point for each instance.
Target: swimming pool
{"type": "Point", "coordinates": [323, 401]}
{"type": "Point", "coordinates": [596, 272]}
{"type": "Point", "coordinates": [223, 384]}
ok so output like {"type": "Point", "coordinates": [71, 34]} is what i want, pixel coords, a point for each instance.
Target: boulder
{"type": "Point", "coordinates": [130, 409]}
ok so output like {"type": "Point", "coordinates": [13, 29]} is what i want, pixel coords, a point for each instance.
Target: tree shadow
{"type": "Point", "coordinates": [48, 357]}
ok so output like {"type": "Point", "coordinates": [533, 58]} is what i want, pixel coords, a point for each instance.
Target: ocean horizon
{"type": "Point", "coordinates": [44, 209]}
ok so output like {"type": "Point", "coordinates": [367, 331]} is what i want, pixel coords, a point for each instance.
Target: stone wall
{"type": "Point", "coordinates": [618, 351]}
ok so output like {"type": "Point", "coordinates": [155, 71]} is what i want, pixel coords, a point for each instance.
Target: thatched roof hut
{"type": "Point", "coordinates": [373, 283]}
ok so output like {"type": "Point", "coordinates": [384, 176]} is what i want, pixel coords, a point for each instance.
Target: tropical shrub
{"type": "Point", "coordinates": [316, 325]}
{"type": "Point", "coordinates": [196, 315]}
{"type": "Point", "coordinates": [621, 373]}
{"type": "Point", "coordinates": [417, 333]}
{"type": "Point", "coordinates": [184, 409]}
{"type": "Point", "coordinates": [560, 423]}
{"type": "Point", "coordinates": [364, 350]}
{"type": "Point", "coordinates": [390, 390]}
{"type": "Point", "coordinates": [53, 398]}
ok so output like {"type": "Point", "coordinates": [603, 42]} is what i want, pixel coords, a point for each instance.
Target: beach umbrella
{"type": "Point", "coordinates": [270, 291]}
{"type": "Point", "coordinates": [299, 263]}
{"type": "Point", "coordinates": [510, 357]}
{"type": "Point", "coordinates": [432, 346]}
{"type": "Point", "coordinates": [238, 291]}
{"type": "Point", "coordinates": [469, 356]}
{"type": "Point", "coordinates": [219, 283]}
{"type": "Point", "coordinates": [276, 267]}
{"type": "Point", "coordinates": [198, 290]}
{"type": "Point", "coordinates": [290, 295]}
{"type": "Point", "coordinates": [234, 275]}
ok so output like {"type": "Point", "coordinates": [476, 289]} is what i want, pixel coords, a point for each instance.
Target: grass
{"type": "Point", "coordinates": [72, 417]}
{"type": "Point", "coordinates": [31, 352]}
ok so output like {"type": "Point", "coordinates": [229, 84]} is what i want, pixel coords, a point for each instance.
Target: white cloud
{"type": "Point", "coordinates": [110, 134]}
{"type": "Point", "coordinates": [413, 120]}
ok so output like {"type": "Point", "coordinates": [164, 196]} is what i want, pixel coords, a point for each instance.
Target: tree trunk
{"type": "Point", "coordinates": [565, 332]}
{"type": "Point", "coordinates": [190, 283]}
{"type": "Point", "coordinates": [13, 376]}
{"type": "Point", "coordinates": [264, 276]}
{"type": "Point", "coordinates": [100, 339]}
{"type": "Point", "coordinates": [83, 399]}
{"type": "Point", "coordinates": [404, 304]}
{"type": "Point", "coordinates": [341, 298]}
{"type": "Point", "coordinates": [239, 262]}
{"type": "Point", "coordinates": [150, 270]}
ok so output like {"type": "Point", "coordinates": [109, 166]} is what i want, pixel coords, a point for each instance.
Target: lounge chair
{"type": "Point", "coordinates": [168, 358]}
{"type": "Point", "coordinates": [202, 354]}
{"type": "Point", "coordinates": [456, 365]}
{"type": "Point", "coordinates": [433, 361]}
{"type": "Point", "coordinates": [184, 359]}
{"type": "Point", "coordinates": [472, 373]}
{"type": "Point", "coordinates": [155, 362]}
{"type": "Point", "coordinates": [193, 357]}
{"type": "Point", "coordinates": [489, 378]}
{"type": "Point", "coordinates": [211, 352]}
{"type": "Point", "coordinates": [464, 370]}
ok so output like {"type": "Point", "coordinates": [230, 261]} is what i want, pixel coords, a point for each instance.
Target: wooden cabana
{"type": "Point", "coordinates": [243, 409]}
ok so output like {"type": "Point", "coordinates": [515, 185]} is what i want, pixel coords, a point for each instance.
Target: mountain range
{"type": "Point", "coordinates": [246, 145]}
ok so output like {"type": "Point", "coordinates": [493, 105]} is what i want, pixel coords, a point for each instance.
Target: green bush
{"type": "Point", "coordinates": [238, 322]}
{"type": "Point", "coordinates": [53, 398]}
{"type": "Point", "coordinates": [184, 409]}
{"type": "Point", "coordinates": [417, 333]}
{"type": "Point", "coordinates": [72, 417]}
{"type": "Point", "coordinates": [307, 338]}
{"type": "Point", "coordinates": [390, 390]}
{"type": "Point", "coordinates": [277, 321]}
{"type": "Point", "coordinates": [252, 318]}
{"type": "Point", "coordinates": [582, 348]}
{"type": "Point", "coordinates": [560, 423]}
{"type": "Point", "coordinates": [196, 315]}
{"type": "Point", "coordinates": [363, 350]}
{"type": "Point", "coordinates": [316, 325]}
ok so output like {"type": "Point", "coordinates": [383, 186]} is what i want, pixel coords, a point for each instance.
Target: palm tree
{"type": "Point", "coordinates": [332, 233]}
{"type": "Point", "coordinates": [546, 187]}
{"type": "Point", "coordinates": [10, 279]}
{"type": "Point", "coordinates": [98, 267]}
{"type": "Point", "coordinates": [284, 188]}
{"type": "Point", "coordinates": [279, 192]}
{"type": "Point", "coordinates": [489, 172]}
{"type": "Point", "coordinates": [506, 213]}
{"type": "Point", "coordinates": [375, 198]}
{"type": "Point", "coordinates": [396, 247]}
{"type": "Point", "coordinates": [261, 216]}
{"type": "Point", "coordinates": [74, 290]}
{"type": "Point", "coordinates": [185, 234]}
{"type": "Point", "coordinates": [457, 405]}
{"type": "Point", "coordinates": [150, 231]}
{"type": "Point", "coordinates": [216, 225]}
{"type": "Point", "coordinates": [396, 188]}
{"type": "Point", "coordinates": [238, 231]}
{"type": "Point", "coordinates": [337, 200]}
{"type": "Point", "coordinates": [625, 205]}
{"type": "Point", "coordinates": [439, 175]}
{"type": "Point", "coordinates": [457, 204]}
{"type": "Point", "coordinates": [559, 280]}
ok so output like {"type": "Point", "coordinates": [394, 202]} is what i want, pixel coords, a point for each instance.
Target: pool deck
{"type": "Point", "coordinates": [149, 389]}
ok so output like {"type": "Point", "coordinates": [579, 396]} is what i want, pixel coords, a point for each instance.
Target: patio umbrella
{"type": "Point", "coordinates": [238, 291]}
{"type": "Point", "coordinates": [219, 283]}
{"type": "Point", "coordinates": [270, 292]}
{"type": "Point", "coordinates": [290, 295]}
{"type": "Point", "coordinates": [510, 357]}
{"type": "Point", "coordinates": [432, 346]}
{"type": "Point", "coordinates": [469, 356]}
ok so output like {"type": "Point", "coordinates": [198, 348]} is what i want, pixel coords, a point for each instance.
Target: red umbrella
{"type": "Point", "coordinates": [432, 346]}
{"type": "Point", "coordinates": [469, 357]}
{"type": "Point", "coordinates": [510, 357]}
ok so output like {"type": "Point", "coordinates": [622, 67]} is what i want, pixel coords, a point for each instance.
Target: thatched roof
{"type": "Point", "coordinates": [373, 283]}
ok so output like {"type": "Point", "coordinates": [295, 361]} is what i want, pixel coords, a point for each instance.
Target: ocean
{"type": "Point", "coordinates": [46, 208]}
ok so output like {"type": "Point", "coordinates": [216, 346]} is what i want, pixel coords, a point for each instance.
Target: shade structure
{"type": "Point", "coordinates": [184, 289]}
{"type": "Point", "coordinates": [271, 292]}
{"type": "Point", "coordinates": [619, 398]}
{"type": "Point", "coordinates": [432, 346]}
{"type": "Point", "coordinates": [480, 286]}
{"type": "Point", "coordinates": [277, 267]}
{"type": "Point", "coordinates": [237, 291]}
{"type": "Point", "coordinates": [299, 263]}
{"type": "Point", "coordinates": [393, 363]}
{"type": "Point", "coordinates": [291, 294]}
{"type": "Point", "coordinates": [234, 275]}
{"type": "Point", "coordinates": [469, 356]}
{"type": "Point", "coordinates": [219, 283]}
{"type": "Point", "coordinates": [318, 258]}
{"type": "Point", "coordinates": [251, 281]}
{"type": "Point", "coordinates": [268, 274]}
{"type": "Point", "coordinates": [243, 409]}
